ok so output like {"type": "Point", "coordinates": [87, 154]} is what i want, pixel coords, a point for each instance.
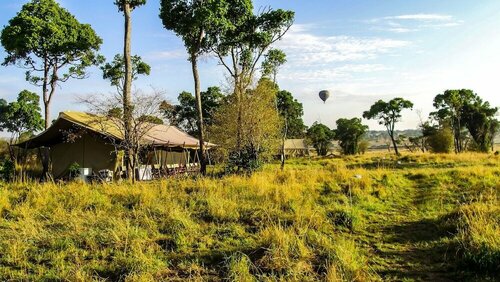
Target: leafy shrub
{"type": "Point", "coordinates": [245, 160]}
{"type": "Point", "coordinates": [7, 170]}
{"type": "Point", "coordinates": [441, 141]}
{"type": "Point", "coordinates": [74, 170]}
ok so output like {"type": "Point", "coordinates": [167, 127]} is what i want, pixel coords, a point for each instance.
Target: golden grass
{"type": "Point", "coordinates": [301, 224]}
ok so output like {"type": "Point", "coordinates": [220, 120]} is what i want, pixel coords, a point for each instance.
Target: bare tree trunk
{"type": "Point", "coordinates": [394, 144]}
{"type": "Point", "coordinates": [201, 131]}
{"type": "Point", "coordinates": [283, 155]}
{"type": "Point", "coordinates": [47, 114]}
{"type": "Point", "coordinates": [127, 107]}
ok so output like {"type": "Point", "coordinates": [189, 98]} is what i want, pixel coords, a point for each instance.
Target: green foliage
{"type": "Point", "coordinates": [196, 22]}
{"type": "Point", "coordinates": [440, 140]}
{"type": "Point", "coordinates": [184, 114]}
{"type": "Point", "coordinates": [479, 118]}
{"type": "Point", "coordinates": [115, 71]}
{"type": "Point", "coordinates": [247, 37]}
{"type": "Point", "coordinates": [274, 59]}
{"type": "Point", "coordinates": [132, 4]}
{"type": "Point", "coordinates": [255, 126]}
{"type": "Point", "coordinates": [388, 114]}
{"type": "Point", "coordinates": [320, 137]}
{"type": "Point", "coordinates": [349, 133]}
{"type": "Point", "coordinates": [245, 160]}
{"type": "Point", "coordinates": [45, 38]}
{"type": "Point", "coordinates": [74, 170]}
{"type": "Point", "coordinates": [465, 109]}
{"type": "Point", "coordinates": [21, 116]}
{"type": "Point", "coordinates": [149, 119]}
{"type": "Point", "coordinates": [291, 111]}
{"type": "Point", "coordinates": [7, 170]}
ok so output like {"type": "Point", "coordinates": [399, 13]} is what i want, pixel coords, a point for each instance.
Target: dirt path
{"type": "Point", "coordinates": [407, 245]}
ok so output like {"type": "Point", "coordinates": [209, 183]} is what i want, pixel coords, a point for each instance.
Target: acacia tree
{"type": "Point", "coordinates": [126, 7]}
{"type": "Point", "coordinates": [51, 45]}
{"type": "Point", "coordinates": [349, 133]}
{"type": "Point", "coordinates": [241, 46]}
{"type": "Point", "coordinates": [388, 114]}
{"type": "Point", "coordinates": [196, 22]}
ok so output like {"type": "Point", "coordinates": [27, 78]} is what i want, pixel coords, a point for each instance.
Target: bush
{"type": "Point", "coordinates": [7, 170]}
{"type": "Point", "coordinates": [244, 160]}
{"type": "Point", "coordinates": [441, 141]}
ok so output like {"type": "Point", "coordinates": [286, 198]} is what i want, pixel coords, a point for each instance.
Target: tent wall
{"type": "Point", "coordinates": [165, 157]}
{"type": "Point", "coordinates": [88, 151]}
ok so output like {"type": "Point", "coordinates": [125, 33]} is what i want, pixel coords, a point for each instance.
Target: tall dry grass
{"type": "Point", "coordinates": [294, 225]}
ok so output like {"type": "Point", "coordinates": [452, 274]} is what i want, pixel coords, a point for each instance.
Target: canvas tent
{"type": "Point", "coordinates": [296, 148]}
{"type": "Point", "coordinates": [93, 142]}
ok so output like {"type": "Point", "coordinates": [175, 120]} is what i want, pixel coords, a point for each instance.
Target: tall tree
{"type": "Point", "coordinates": [126, 7]}
{"type": "Point", "coordinates": [196, 22]}
{"type": "Point", "coordinates": [241, 46]}
{"type": "Point", "coordinates": [51, 45]}
{"type": "Point", "coordinates": [291, 112]}
{"type": "Point", "coordinates": [320, 137]}
{"type": "Point", "coordinates": [449, 107]}
{"type": "Point", "coordinates": [349, 133]}
{"type": "Point", "coordinates": [388, 114]}
{"type": "Point", "coordinates": [274, 59]}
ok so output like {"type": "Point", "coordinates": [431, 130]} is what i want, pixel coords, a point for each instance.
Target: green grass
{"type": "Point", "coordinates": [367, 218]}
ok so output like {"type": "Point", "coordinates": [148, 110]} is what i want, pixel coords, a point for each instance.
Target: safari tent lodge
{"type": "Point", "coordinates": [92, 145]}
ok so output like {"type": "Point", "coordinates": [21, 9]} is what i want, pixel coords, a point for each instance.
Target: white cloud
{"type": "Point", "coordinates": [330, 73]}
{"type": "Point", "coordinates": [414, 22]}
{"type": "Point", "coordinates": [167, 55]}
{"type": "Point", "coordinates": [422, 17]}
{"type": "Point", "coordinates": [304, 48]}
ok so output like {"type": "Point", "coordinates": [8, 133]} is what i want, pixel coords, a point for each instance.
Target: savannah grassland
{"type": "Point", "coordinates": [419, 217]}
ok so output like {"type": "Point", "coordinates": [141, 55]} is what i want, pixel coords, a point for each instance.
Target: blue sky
{"type": "Point", "coordinates": [361, 51]}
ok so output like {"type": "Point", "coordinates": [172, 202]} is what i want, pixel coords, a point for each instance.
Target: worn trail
{"type": "Point", "coordinates": [405, 244]}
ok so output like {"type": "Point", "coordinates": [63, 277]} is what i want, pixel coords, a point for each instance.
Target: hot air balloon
{"type": "Point", "coordinates": [324, 95]}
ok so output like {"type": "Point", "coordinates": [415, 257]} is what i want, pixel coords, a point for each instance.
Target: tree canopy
{"type": "Point", "coordinates": [183, 115]}
{"type": "Point", "coordinates": [462, 108]}
{"type": "Point", "coordinates": [320, 136]}
{"type": "Point", "coordinates": [115, 71]}
{"type": "Point", "coordinates": [132, 4]}
{"type": "Point", "coordinates": [479, 118]}
{"type": "Point", "coordinates": [51, 44]}
{"type": "Point", "coordinates": [388, 114]}
{"type": "Point", "coordinates": [248, 36]}
{"type": "Point", "coordinates": [291, 111]}
{"type": "Point", "coordinates": [349, 133]}
{"type": "Point", "coordinates": [274, 59]}
{"type": "Point", "coordinates": [22, 115]}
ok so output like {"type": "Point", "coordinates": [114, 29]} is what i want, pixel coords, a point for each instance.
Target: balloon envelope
{"type": "Point", "coordinates": [324, 95]}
